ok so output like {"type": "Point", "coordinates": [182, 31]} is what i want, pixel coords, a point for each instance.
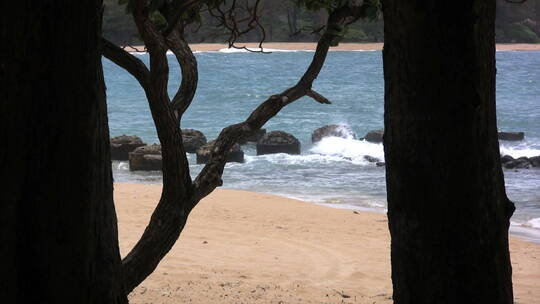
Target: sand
{"type": "Point", "coordinates": [244, 247]}
{"type": "Point", "coordinates": [341, 47]}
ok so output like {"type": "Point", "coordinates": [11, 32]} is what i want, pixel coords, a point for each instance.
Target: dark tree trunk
{"type": "Point", "coordinates": [447, 207]}
{"type": "Point", "coordinates": [57, 220]}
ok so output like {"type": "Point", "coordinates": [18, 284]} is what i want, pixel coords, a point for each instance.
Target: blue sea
{"type": "Point", "coordinates": [332, 172]}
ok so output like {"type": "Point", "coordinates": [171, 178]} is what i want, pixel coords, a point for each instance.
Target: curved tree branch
{"type": "Point", "coordinates": [127, 61]}
{"type": "Point", "coordinates": [188, 64]}
{"type": "Point", "coordinates": [210, 176]}
{"type": "Point", "coordinates": [169, 217]}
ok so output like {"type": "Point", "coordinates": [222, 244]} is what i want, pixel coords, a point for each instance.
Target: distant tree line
{"type": "Point", "coordinates": [284, 21]}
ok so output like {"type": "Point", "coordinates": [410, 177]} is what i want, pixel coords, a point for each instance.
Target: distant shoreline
{"type": "Point", "coordinates": [307, 46]}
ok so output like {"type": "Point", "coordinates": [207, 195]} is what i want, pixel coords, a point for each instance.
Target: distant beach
{"type": "Point", "coordinates": [246, 247]}
{"type": "Point", "coordinates": [206, 47]}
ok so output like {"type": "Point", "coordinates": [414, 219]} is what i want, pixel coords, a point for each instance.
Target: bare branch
{"type": "Point", "coordinates": [210, 176]}
{"type": "Point", "coordinates": [134, 48]}
{"type": "Point", "coordinates": [238, 25]}
{"type": "Point", "coordinates": [127, 61]}
{"type": "Point", "coordinates": [188, 64]}
{"type": "Point", "coordinates": [317, 97]}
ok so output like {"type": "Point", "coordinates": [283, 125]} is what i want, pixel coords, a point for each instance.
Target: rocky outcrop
{"type": "Point", "coordinates": [371, 159]}
{"type": "Point", "coordinates": [375, 136]}
{"type": "Point", "coordinates": [513, 136]}
{"type": "Point", "coordinates": [193, 140]}
{"type": "Point", "coordinates": [235, 154]}
{"type": "Point", "coordinates": [342, 131]}
{"type": "Point", "coordinates": [520, 163]}
{"type": "Point", "coordinates": [122, 145]}
{"type": "Point", "coordinates": [254, 137]}
{"type": "Point", "coordinates": [278, 142]}
{"type": "Point", "coordinates": [145, 158]}
{"type": "Point", "coordinates": [506, 158]}
{"type": "Point", "coordinates": [535, 161]}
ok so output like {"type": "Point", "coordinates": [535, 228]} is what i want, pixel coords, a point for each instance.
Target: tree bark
{"type": "Point", "coordinates": [447, 207]}
{"type": "Point", "coordinates": [57, 220]}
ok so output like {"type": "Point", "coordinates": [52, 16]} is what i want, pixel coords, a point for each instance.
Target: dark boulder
{"type": "Point", "coordinates": [511, 135]}
{"type": "Point", "coordinates": [235, 154]}
{"type": "Point", "coordinates": [535, 161]}
{"type": "Point", "coordinates": [519, 163]}
{"type": "Point", "coordinates": [122, 145]}
{"type": "Point", "coordinates": [253, 137]}
{"type": "Point", "coordinates": [278, 142]}
{"type": "Point", "coordinates": [145, 158]}
{"type": "Point", "coordinates": [375, 136]}
{"type": "Point", "coordinates": [371, 159]}
{"type": "Point", "coordinates": [193, 140]}
{"type": "Point", "coordinates": [342, 131]}
{"type": "Point", "coordinates": [506, 158]}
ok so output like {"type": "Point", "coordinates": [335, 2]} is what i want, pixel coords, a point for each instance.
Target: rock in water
{"type": "Point", "coordinates": [342, 131]}
{"type": "Point", "coordinates": [371, 159]}
{"type": "Point", "coordinates": [146, 158]}
{"type": "Point", "coordinates": [235, 153]}
{"type": "Point", "coordinates": [193, 140]}
{"type": "Point", "coordinates": [506, 158]}
{"type": "Point", "coordinates": [511, 135]}
{"type": "Point", "coordinates": [253, 137]}
{"type": "Point", "coordinates": [519, 163]}
{"type": "Point", "coordinates": [375, 136]}
{"type": "Point", "coordinates": [535, 161]}
{"type": "Point", "coordinates": [278, 142]}
{"type": "Point", "coordinates": [122, 145]}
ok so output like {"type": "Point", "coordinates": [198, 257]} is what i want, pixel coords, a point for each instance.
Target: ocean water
{"type": "Point", "coordinates": [332, 172]}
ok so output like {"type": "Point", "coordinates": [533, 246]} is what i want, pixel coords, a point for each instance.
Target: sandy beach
{"type": "Point", "coordinates": [244, 247]}
{"type": "Point", "coordinates": [201, 47]}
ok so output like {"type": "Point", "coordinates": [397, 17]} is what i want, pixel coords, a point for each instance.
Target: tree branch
{"type": "Point", "coordinates": [175, 11]}
{"type": "Point", "coordinates": [170, 215]}
{"type": "Point", "coordinates": [188, 64]}
{"type": "Point", "coordinates": [180, 194]}
{"type": "Point", "coordinates": [127, 61]}
{"type": "Point", "coordinates": [317, 97]}
{"type": "Point", "coordinates": [210, 176]}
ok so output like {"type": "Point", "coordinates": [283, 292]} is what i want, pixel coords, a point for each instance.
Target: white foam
{"type": "Point", "coordinates": [122, 166]}
{"type": "Point", "coordinates": [348, 148]}
{"type": "Point", "coordinates": [233, 50]}
{"type": "Point", "coordinates": [519, 151]}
{"type": "Point", "coordinates": [306, 159]}
{"type": "Point", "coordinates": [534, 223]}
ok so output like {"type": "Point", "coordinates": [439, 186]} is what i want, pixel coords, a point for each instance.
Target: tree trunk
{"type": "Point", "coordinates": [447, 207]}
{"type": "Point", "coordinates": [57, 219]}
